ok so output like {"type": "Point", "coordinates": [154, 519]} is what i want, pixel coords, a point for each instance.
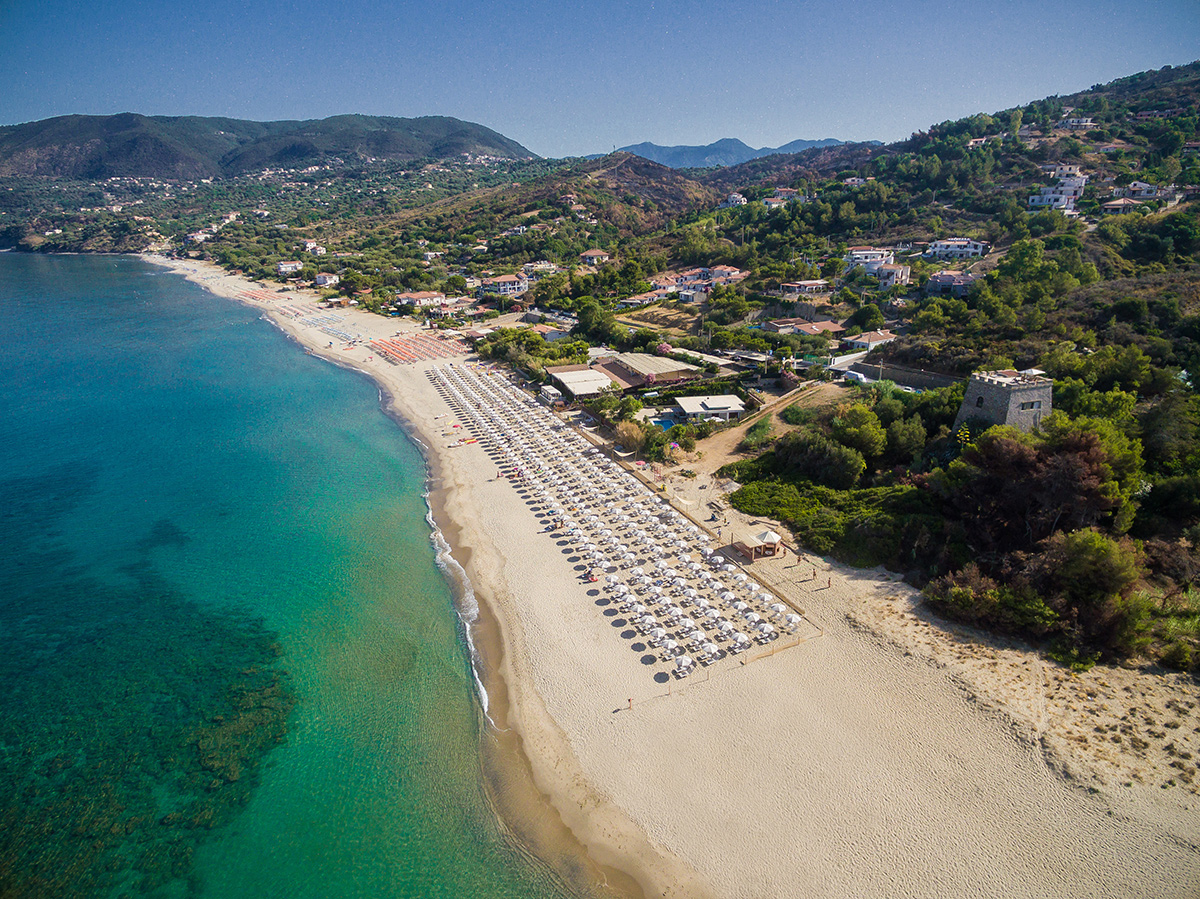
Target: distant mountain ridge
{"type": "Point", "coordinates": [191, 147]}
{"type": "Point", "coordinates": [724, 152]}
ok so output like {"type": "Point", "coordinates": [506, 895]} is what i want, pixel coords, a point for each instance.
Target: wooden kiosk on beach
{"type": "Point", "coordinates": [760, 546]}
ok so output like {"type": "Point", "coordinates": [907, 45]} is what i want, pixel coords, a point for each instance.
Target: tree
{"type": "Point", "coordinates": [811, 455]}
{"type": "Point", "coordinates": [630, 435]}
{"type": "Point", "coordinates": [869, 318]}
{"type": "Point", "coordinates": [858, 428]}
{"type": "Point", "coordinates": [906, 439]}
{"type": "Point", "coordinates": [628, 408]}
{"type": "Point", "coordinates": [1093, 573]}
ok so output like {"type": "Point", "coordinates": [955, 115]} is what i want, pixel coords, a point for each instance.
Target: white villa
{"type": "Point", "coordinates": [956, 248]}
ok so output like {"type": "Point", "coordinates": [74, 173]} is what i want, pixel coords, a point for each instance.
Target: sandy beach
{"type": "Point", "coordinates": [887, 755]}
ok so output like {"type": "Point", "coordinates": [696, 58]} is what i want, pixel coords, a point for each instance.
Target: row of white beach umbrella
{"type": "Point", "coordinates": [564, 473]}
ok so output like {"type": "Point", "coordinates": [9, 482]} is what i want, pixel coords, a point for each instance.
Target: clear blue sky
{"type": "Point", "coordinates": [566, 77]}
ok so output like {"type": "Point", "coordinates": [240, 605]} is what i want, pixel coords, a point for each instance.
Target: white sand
{"type": "Point", "coordinates": [844, 767]}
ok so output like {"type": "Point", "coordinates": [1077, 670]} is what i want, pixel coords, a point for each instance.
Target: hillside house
{"type": "Point", "coordinates": [594, 257]}
{"type": "Point", "coordinates": [803, 326]}
{"type": "Point", "coordinates": [796, 288]}
{"type": "Point", "coordinates": [869, 258]}
{"type": "Point", "coordinates": [950, 283]}
{"type": "Point", "coordinates": [868, 340]}
{"type": "Point", "coordinates": [289, 267]}
{"type": "Point", "coordinates": [1138, 190]}
{"type": "Point", "coordinates": [1018, 399]}
{"type": "Point", "coordinates": [326, 279]}
{"type": "Point", "coordinates": [1121, 206]}
{"type": "Point", "coordinates": [956, 248]}
{"type": "Point", "coordinates": [505, 285]}
{"type": "Point", "coordinates": [734, 199]}
{"type": "Point", "coordinates": [893, 275]}
{"type": "Point", "coordinates": [1059, 170]}
{"type": "Point", "coordinates": [726, 274]}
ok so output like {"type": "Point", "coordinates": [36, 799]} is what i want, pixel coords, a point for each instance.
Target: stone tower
{"type": "Point", "coordinates": [1019, 399]}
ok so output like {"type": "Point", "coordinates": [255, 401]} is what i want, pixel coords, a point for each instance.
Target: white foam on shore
{"type": "Point", "coordinates": [467, 606]}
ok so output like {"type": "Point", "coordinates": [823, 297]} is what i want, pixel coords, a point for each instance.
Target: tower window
{"type": "Point", "coordinates": [979, 403]}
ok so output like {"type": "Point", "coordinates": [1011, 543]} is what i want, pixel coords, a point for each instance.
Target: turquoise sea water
{"type": "Point", "coordinates": [230, 664]}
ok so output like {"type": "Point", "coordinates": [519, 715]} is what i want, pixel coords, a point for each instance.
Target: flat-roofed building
{"type": "Point", "coordinates": [703, 408]}
{"type": "Point", "coordinates": [580, 380]}
{"type": "Point", "coordinates": [655, 369]}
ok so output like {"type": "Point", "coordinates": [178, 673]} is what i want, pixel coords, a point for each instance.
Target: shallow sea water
{"type": "Point", "coordinates": [232, 666]}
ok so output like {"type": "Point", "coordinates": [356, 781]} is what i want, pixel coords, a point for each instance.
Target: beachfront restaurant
{"type": "Point", "coordinates": [704, 408]}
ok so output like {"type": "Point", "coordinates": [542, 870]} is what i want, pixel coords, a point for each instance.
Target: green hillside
{"type": "Point", "coordinates": [192, 147]}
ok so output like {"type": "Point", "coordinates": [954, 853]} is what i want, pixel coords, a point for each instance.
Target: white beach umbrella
{"type": "Point", "coordinates": [740, 606]}
{"type": "Point", "coordinates": [729, 597]}
{"type": "Point", "coordinates": [729, 568]}
{"type": "Point", "coordinates": [658, 632]}
{"type": "Point", "coordinates": [794, 619]}
{"type": "Point", "coordinates": [739, 637]}
{"type": "Point", "coordinates": [752, 617]}
{"type": "Point", "coordinates": [713, 615]}
{"type": "Point", "coordinates": [684, 662]}
{"type": "Point", "coordinates": [710, 648]}
{"type": "Point", "coordinates": [765, 629]}
{"type": "Point", "coordinates": [778, 608]}
{"type": "Point", "coordinates": [739, 577]}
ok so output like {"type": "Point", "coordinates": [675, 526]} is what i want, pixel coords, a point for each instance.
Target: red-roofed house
{"type": "Point", "coordinates": [594, 257]}
{"type": "Point", "coordinates": [505, 285]}
{"type": "Point", "coordinates": [868, 340]}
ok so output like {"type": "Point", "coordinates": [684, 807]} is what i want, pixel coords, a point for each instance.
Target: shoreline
{"type": "Point", "coordinates": [527, 792]}
{"type": "Point", "coordinates": [640, 829]}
